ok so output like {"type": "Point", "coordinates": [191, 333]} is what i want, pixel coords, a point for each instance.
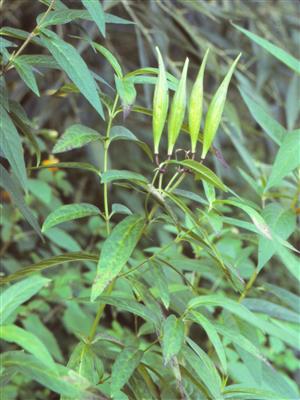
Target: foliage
{"type": "Point", "coordinates": [136, 263]}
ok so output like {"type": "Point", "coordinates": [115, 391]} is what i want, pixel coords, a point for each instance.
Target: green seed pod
{"type": "Point", "coordinates": [160, 103]}
{"type": "Point", "coordinates": [177, 110]}
{"type": "Point", "coordinates": [195, 105]}
{"type": "Point", "coordinates": [215, 111]}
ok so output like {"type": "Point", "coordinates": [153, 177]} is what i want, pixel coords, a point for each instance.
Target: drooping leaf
{"type": "Point", "coordinates": [117, 208]}
{"type": "Point", "coordinates": [116, 251]}
{"type": "Point", "coordinates": [242, 312]}
{"type": "Point", "coordinates": [202, 172]}
{"type": "Point", "coordinates": [125, 364]}
{"type": "Point", "coordinates": [110, 58]}
{"type": "Point", "coordinates": [282, 222]}
{"type": "Point", "coordinates": [69, 212]}
{"type": "Point", "coordinates": [65, 382]}
{"type": "Point", "coordinates": [276, 51]}
{"type": "Point", "coordinates": [119, 132]}
{"type": "Point", "coordinates": [11, 186]}
{"type": "Point", "coordinates": [114, 175]}
{"type": "Point", "coordinates": [212, 335]}
{"type": "Point", "coordinates": [34, 325]}
{"type": "Point", "coordinates": [215, 110]}
{"type": "Point", "coordinates": [74, 66]}
{"type": "Point", "coordinates": [75, 137]}
{"type": "Point", "coordinates": [177, 111]}
{"type": "Point", "coordinates": [49, 263]}
{"type": "Point", "coordinates": [173, 337]}
{"type": "Point", "coordinates": [29, 342]}
{"type": "Point", "coordinates": [268, 123]}
{"type": "Point", "coordinates": [160, 103]}
{"type": "Point", "coordinates": [26, 74]}
{"type": "Point", "coordinates": [95, 10]}
{"type": "Point", "coordinates": [76, 165]}
{"type": "Point", "coordinates": [17, 294]}
{"type": "Point", "coordinates": [11, 147]}
{"type": "Point", "coordinates": [196, 104]}
{"type": "Point", "coordinates": [287, 158]}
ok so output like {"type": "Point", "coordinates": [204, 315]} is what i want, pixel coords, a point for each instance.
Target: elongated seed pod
{"type": "Point", "coordinates": [215, 110]}
{"type": "Point", "coordinates": [196, 105]}
{"type": "Point", "coordinates": [160, 103]}
{"type": "Point", "coordinates": [177, 112]}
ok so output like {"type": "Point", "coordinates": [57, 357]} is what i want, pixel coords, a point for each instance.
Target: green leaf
{"type": "Point", "coordinates": [86, 363]}
{"type": "Point", "coordinates": [202, 172]}
{"type": "Point", "coordinates": [173, 337]}
{"type": "Point", "coordinates": [17, 294]}
{"type": "Point", "coordinates": [75, 137]}
{"type": "Point", "coordinates": [95, 10]}
{"type": "Point", "coordinates": [116, 251]}
{"type": "Point", "coordinates": [74, 66]}
{"type": "Point", "coordinates": [121, 133]}
{"type": "Point", "coordinates": [11, 186]}
{"type": "Point", "coordinates": [160, 103]}
{"type": "Point", "coordinates": [268, 123]}
{"type": "Point", "coordinates": [115, 175]}
{"type": "Point", "coordinates": [215, 110]}
{"type": "Point", "coordinates": [110, 58]}
{"type": "Point", "coordinates": [272, 309]}
{"type": "Point", "coordinates": [241, 392]}
{"type": "Point", "coordinates": [117, 208]}
{"type": "Point", "coordinates": [202, 367]}
{"type": "Point", "coordinates": [29, 342]}
{"type": "Point", "coordinates": [41, 60]}
{"type": "Point", "coordinates": [283, 223]}
{"type": "Point", "coordinates": [11, 147]}
{"type": "Point", "coordinates": [126, 90]}
{"type": "Point", "coordinates": [276, 51]}
{"type": "Point", "coordinates": [196, 104]}
{"type": "Point", "coordinates": [76, 165]}
{"type": "Point", "coordinates": [212, 335]}
{"type": "Point", "coordinates": [26, 74]}
{"type": "Point", "coordinates": [49, 263]}
{"type": "Point", "coordinates": [177, 111]}
{"type": "Point", "coordinates": [132, 306]}
{"type": "Point", "coordinates": [69, 212]}
{"type": "Point", "coordinates": [287, 158]}
{"type": "Point", "coordinates": [35, 370]}
{"type": "Point", "coordinates": [242, 312]}
{"type": "Point", "coordinates": [34, 325]}
{"type": "Point", "coordinates": [124, 366]}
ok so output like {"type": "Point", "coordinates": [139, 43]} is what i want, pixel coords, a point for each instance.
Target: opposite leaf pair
{"type": "Point", "coordinates": [178, 107]}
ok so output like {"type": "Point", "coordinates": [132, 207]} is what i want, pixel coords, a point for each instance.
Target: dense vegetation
{"type": "Point", "coordinates": [150, 195]}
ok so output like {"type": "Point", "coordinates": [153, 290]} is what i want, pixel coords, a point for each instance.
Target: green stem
{"type": "Point", "coordinates": [105, 163]}
{"type": "Point", "coordinates": [248, 286]}
{"type": "Point", "coordinates": [28, 39]}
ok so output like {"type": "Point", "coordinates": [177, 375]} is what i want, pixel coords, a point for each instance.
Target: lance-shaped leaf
{"type": "Point", "coordinates": [116, 251]}
{"type": "Point", "coordinates": [173, 337]}
{"type": "Point", "coordinates": [26, 74]}
{"type": "Point", "coordinates": [124, 366]}
{"type": "Point", "coordinates": [177, 112]}
{"type": "Point", "coordinates": [11, 147]}
{"type": "Point", "coordinates": [110, 58]}
{"type": "Point", "coordinates": [196, 104]}
{"type": "Point", "coordinates": [160, 103]}
{"type": "Point", "coordinates": [202, 172]}
{"type": "Point", "coordinates": [29, 342]}
{"type": "Point", "coordinates": [215, 110]}
{"type": "Point", "coordinates": [74, 137]}
{"type": "Point", "coordinates": [17, 294]}
{"type": "Point", "coordinates": [69, 212]}
{"type": "Point", "coordinates": [74, 66]}
{"type": "Point", "coordinates": [95, 10]}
